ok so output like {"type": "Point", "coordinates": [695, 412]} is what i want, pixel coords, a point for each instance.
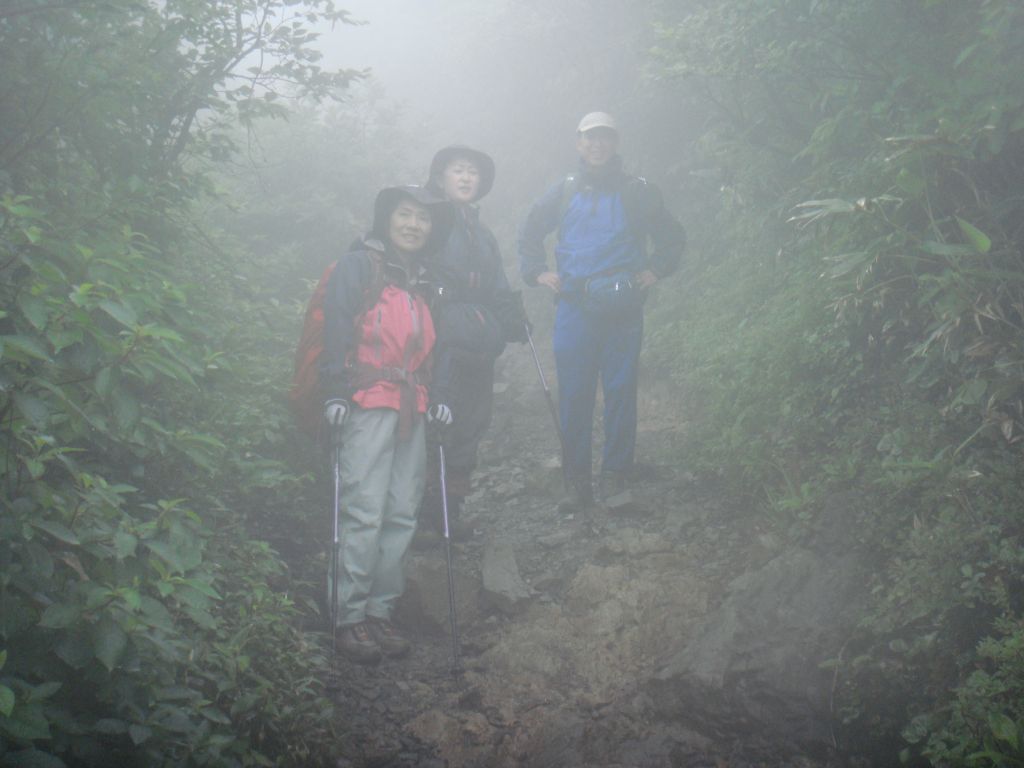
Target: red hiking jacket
{"type": "Point", "coordinates": [377, 357]}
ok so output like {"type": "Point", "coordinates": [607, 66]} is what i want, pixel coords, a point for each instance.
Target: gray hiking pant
{"type": "Point", "coordinates": [382, 483]}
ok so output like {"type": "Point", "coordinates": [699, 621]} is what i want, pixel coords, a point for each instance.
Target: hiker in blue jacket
{"type": "Point", "coordinates": [604, 219]}
{"type": "Point", "coordinates": [475, 313]}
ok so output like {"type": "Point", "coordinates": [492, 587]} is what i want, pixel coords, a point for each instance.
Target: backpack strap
{"type": "Point", "coordinates": [570, 186]}
{"type": "Point", "coordinates": [635, 201]}
{"type": "Point", "coordinates": [378, 279]}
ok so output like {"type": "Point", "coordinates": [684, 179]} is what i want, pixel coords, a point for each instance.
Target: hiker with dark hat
{"type": "Point", "coordinates": [475, 313]}
{"type": "Point", "coordinates": [605, 220]}
{"type": "Point", "coordinates": [378, 340]}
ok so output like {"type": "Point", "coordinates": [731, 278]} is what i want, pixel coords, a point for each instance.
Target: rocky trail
{"type": "Point", "coordinates": [675, 634]}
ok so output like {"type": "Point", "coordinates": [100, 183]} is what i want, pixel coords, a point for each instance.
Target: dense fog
{"type": "Point", "coordinates": [512, 79]}
{"type": "Point", "coordinates": [819, 560]}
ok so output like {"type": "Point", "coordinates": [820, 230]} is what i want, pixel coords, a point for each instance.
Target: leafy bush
{"type": "Point", "coordinates": [879, 347]}
{"type": "Point", "coordinates": [139, 624]}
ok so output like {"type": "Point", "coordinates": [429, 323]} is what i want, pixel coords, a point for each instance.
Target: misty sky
{"type": "Point", "coordinates": [494, 74]}
{"type": "Point", "coordinates": [398, 42]}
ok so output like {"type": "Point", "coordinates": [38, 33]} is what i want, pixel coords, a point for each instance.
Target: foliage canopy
{"type": "Point", "coordinates": [861, 322]}
{"type": "Point", "coordinates": [138, 622]}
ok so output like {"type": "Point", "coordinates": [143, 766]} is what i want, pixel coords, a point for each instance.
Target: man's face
{"type": "Point", "coordinates": [409, 226]}
{"type": "Point", "coordinates": [597, 146]}
{"type": "Point", "coordinates": [461, 180]}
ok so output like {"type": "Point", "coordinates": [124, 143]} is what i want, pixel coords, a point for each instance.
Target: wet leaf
{"type": "Point", "coordinates": [60, 616]}
{"type": "Point", "coordinates": [978, 239]}
{"type": "Point", "coordinates": [109, 642]}
{"type": "Point", "coordinates": [71, 560]}
{"type": "Point", "coordinates": [32, 758]}
{"type": "Point", "coordinates": [73, 650]}
{"type": "Point", "coordinates": [1004, 729]}
{"type": "Point", "coordinates": [6, 700]}
{"type": "Point", "coordinates": [35, 309]}
{"type": "Point", "coordinates": [215, 715]}
{"type": "Point", "coordinates": [125, 544]}
{"type": "Point", "coordinates": [1006, 427]}
{"type": "Point", "coordinates": [179, 556]}
{"type": "Point", "coordinates": [26, 723]}
{"type": "Point", "coordinates": [58, 530]}
{"type": "Point", "coordinates": [120, 312]}
{"type": "Point", "coordinates": [23, 348]}
{"type": "Point", "coordinates": [946, 249]}
{"type": "Point", "coordinates": [36, 411]}
{"type": "Point", "coordinates": [104, 382]}
{"type": "Point", "coordinates": [126, 410]}
{"type": "Point", "coordinates": [847, 263]}
{"type": "Point", "coordinates": [110, 726]}
{"type": "Point", "coordinates": [44, 691]}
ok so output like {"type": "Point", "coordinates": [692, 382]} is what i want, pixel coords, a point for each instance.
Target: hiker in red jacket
{"type": "Point", "coordinates": [378, 339]}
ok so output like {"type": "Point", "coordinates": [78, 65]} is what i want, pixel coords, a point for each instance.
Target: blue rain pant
{"type": "Point", "coordinates": [589, 347]}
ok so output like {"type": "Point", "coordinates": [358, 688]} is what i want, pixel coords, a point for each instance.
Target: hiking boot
{"type": "Point", "coordinates": [579, 498]}
{"type": "Point", "coordinates": [587, 522]}
{"type": "Point", "coordinates": [355, 642]}
{"type": "Point", "coordinates": [387, 638]}
{"type": "Point", "coordinates": [610, 484]}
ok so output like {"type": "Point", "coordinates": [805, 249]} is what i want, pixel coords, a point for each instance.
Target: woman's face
{"type": "Point", "coordinates": [409, 226]}
{"type": "Point", "coordinates": [461, 180]}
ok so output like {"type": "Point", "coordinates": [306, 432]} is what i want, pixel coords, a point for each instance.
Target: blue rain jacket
{"type": "Point", "coordinates": [595, 230]}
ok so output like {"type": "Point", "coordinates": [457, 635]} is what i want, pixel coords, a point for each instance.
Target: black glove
{"type": "Point", "coordinates": [435, 292]}
{"type": "Point", "coordinates": [335, 411]}
{"type": "Point", "coordinates": [439, 415]}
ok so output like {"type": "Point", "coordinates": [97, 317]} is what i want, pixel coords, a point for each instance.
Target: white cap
{"type": "Point", "coordinates": [593, 120]}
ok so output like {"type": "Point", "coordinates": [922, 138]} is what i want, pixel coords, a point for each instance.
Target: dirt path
{"type": "Point", "coordinates": [558, 678]}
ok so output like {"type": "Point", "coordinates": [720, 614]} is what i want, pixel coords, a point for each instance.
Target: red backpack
{"type": "Point", "coordinates": [306, 406]}
{"type": "Point", "coordinates": [304, 395]}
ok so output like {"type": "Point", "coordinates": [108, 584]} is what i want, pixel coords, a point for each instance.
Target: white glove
{"type": "Point", "coordinates": [335, 411]}
{"type": "Point", "coordinates": [439, 414]}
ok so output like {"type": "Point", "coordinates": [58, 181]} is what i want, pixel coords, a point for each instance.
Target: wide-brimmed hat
{"type": "Point", "coordinates": [480, 159]}
{"type": "Point", "coordinates": [441, 213]}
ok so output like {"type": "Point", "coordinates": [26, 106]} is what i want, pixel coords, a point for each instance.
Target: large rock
{"type": "Point", "coordinates": [504, 587]}
{"type": "Point", "coordinates": [755, 665]}
{"type": "Point", "coordinates": [425, 602]}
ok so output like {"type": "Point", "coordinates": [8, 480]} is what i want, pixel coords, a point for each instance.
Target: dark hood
{"type": "Point", "coordinates": [444, 156]}
{"type": "Point", "coordinates": [441, 214]}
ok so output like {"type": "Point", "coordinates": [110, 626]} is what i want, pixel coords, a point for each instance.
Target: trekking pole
{"type": "Point", "coordinates": [448, 557]}
{"type": "Point", "coordinates": [335, 548]}
{"type": "Point", "coordinates": [551, 407]}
